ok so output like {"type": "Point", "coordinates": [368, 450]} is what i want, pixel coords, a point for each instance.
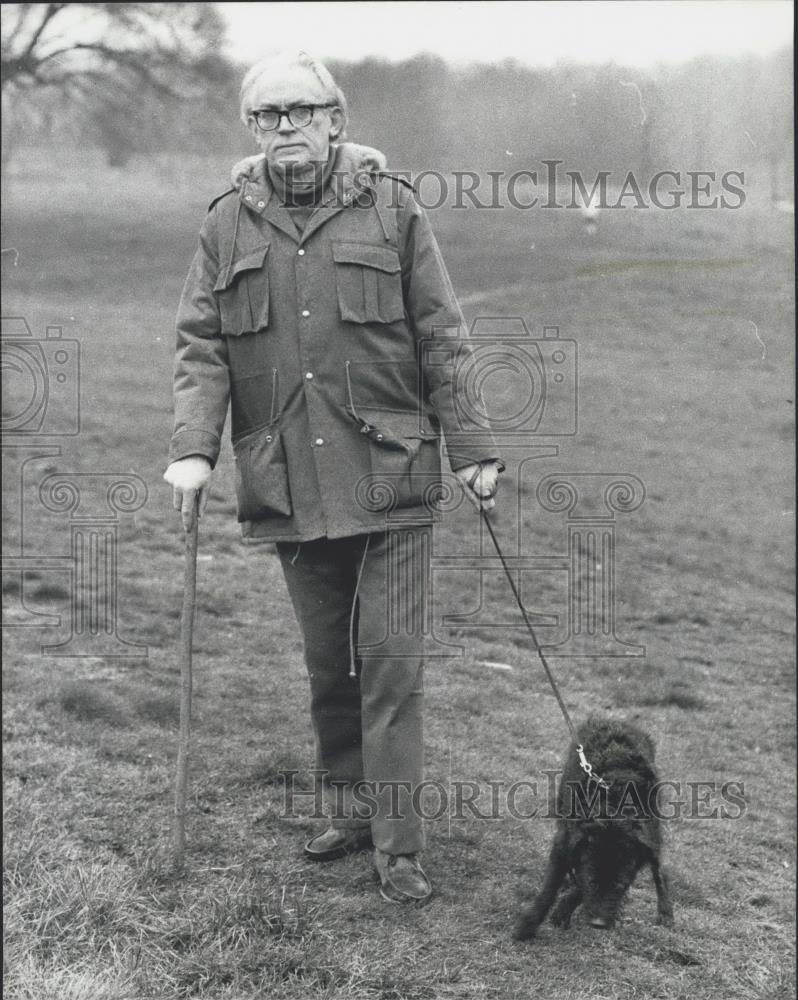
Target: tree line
{"type": "Point", "coordinates": [141, 79]}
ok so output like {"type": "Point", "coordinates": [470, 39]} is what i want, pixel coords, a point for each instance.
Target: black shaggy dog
{"type": "Point", "coordinates": [604, 836]}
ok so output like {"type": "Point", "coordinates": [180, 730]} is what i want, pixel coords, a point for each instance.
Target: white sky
{"type": "Point", "coordinates": [628, 32]}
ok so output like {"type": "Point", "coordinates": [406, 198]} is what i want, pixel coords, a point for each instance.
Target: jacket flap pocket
{"type": "Point", "coordinates": [250, 261]}
{"type": "Point", "coordinates": [262, 487]}
{"type": "Point", "coordinates": [389, 426]}
{"type": "Point", "coordinates": [367, 255]}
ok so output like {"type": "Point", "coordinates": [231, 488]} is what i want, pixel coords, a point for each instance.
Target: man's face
{"type": "Point", "coordinates": [287, 145]}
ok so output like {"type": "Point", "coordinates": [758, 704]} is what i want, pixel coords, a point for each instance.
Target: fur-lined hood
{"type": "Point", "coordinates": [353, 166]}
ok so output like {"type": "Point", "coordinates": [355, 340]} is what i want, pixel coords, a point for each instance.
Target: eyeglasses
{"type": "Point", "coordinates": [300, 116]}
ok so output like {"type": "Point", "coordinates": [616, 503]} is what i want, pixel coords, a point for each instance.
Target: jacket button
{"type": "Point", "coordinates": [319, 442]}
{"type": "Point", "coordinates": [379, 437]}
{"type": "Point", "coordinates": [308, 375]}
{"type": "Point", "coordinates": [261, 204]}
{"type": "Point", "coordinates": [305, 312]}
{"type": "Point", "coordinates": [300, 253]}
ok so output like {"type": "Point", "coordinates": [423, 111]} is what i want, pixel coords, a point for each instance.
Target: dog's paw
{"type": "Point", "coordinates": [664, 920]}
{"type": "Point", "coordinates": [525, 930]}
{"type": "Point", "coordinates": [561, 919]}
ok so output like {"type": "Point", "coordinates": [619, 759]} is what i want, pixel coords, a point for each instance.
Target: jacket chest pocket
{"type": "Point", "coordinates": [242, 291]}
{"type": "Point", "coordinates": [368, 280]}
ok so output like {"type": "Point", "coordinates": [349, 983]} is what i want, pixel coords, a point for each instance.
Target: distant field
{"type": "Point", "coordinates": [684, 326]}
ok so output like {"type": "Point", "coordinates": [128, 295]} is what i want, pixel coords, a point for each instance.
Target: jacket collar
{"type": "Point", "coordinates": [350, 176]}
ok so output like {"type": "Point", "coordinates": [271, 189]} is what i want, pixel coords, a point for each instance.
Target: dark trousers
{"type": "Point", "coordinates": [370, 727]}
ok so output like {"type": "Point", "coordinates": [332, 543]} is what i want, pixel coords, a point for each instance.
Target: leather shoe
{"type": "Point", "coordinates": [402, 879]}
{"type": "Point", "coordinates": [335, 842]}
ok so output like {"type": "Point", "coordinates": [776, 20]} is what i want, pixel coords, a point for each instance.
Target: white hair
{"type": "Point", "coordinates": [332, 92]}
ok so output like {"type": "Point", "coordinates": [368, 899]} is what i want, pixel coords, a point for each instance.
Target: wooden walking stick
{"type": "Point", "coordinates": [186, 637]}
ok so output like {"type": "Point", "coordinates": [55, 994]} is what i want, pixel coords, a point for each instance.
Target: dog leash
{"type": "Point", "coordinates": [584, 763]}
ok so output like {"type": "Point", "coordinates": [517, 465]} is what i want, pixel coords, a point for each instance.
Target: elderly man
{"type": "Point", "coordinates": [305, 308]}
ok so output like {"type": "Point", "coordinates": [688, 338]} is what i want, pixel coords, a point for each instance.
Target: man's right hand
{"type": "Point", "coordinates": [189, 477]}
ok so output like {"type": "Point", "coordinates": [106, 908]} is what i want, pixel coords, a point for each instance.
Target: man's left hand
{"type": "Point", "coordinates": [480, 483]}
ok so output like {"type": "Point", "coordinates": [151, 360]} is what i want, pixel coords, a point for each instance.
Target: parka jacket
{"type": "Point", "coordinates": [322, 343]}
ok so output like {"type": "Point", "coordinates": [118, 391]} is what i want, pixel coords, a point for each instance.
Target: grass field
{"type": "Point", "coordinates": [684, 322]}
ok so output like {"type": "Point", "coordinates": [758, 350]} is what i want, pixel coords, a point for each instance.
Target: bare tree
{"type": "Point", "coordinates": [94, 56]}
{"type": "Point", "coordinates": [70, 45]}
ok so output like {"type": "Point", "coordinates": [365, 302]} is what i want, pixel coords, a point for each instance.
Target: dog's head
{"type": "Point", "coordinates": [611, 856]}
{"type": "Point", "coordinates": [614, 829]}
